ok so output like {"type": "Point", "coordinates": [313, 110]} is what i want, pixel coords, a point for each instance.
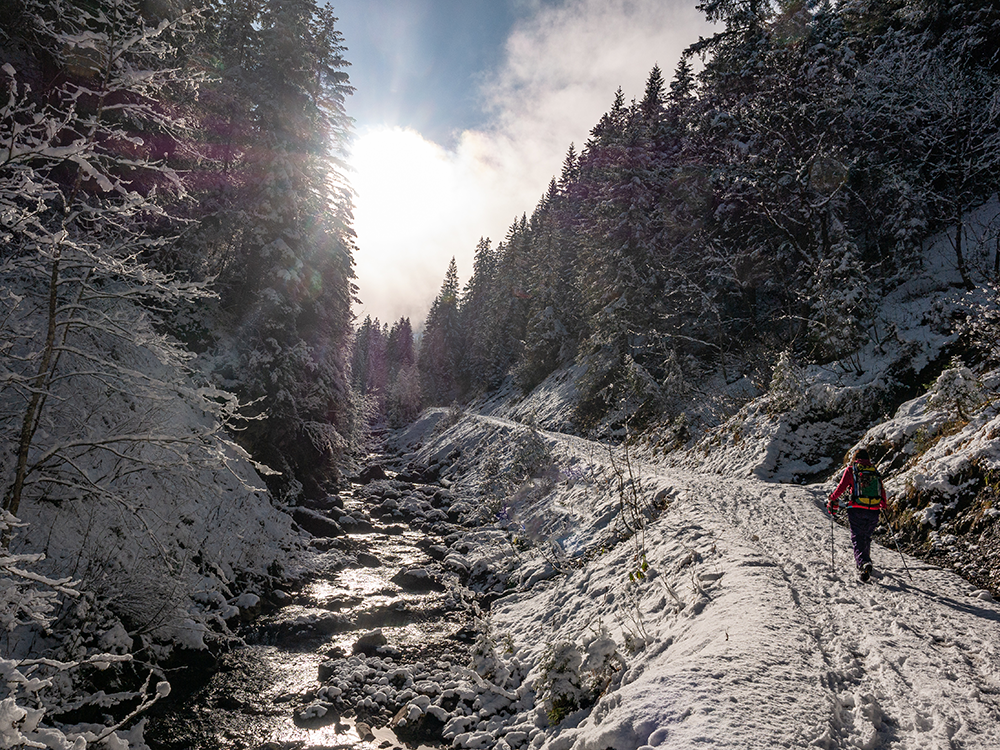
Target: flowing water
{"type": "Point", "coordinates": [252, 692]}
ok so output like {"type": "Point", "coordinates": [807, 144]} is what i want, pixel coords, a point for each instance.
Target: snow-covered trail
{"type": "Point", "coordinates": [904, 664]}
{"type": "Point", "coordinates": [772, 647]}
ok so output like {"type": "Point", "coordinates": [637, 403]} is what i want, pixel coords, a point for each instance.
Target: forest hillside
{"type": "Point", "coordinates": [787, 241]}
{"type": "Point", "coordinates": [755, 207]}
{"type": "Point", "coordinates": [176, 280]}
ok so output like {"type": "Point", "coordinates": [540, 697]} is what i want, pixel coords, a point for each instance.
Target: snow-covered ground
{"type": "Point", "coordinates": [734, 619]}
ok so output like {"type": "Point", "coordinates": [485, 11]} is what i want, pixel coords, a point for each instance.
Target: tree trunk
{"type": "Point", "coordinates": [12, 500]}
{"type": "Point", "coordinates": [996, 260]}
{"type": "Point", "coordinates": [959, 220]}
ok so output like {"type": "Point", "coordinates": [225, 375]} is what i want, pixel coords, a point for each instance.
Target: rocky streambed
{"type": "Point", "coordinates": [370, 647]}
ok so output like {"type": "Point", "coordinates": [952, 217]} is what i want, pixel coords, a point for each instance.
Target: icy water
{"type": "Point", "coordinates": [252, 695]}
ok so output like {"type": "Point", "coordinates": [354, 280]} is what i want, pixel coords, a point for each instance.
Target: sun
{"type": "Point", "coordinates": [408, 193]}
{"type": "Point", "coordinates": [399, 179]}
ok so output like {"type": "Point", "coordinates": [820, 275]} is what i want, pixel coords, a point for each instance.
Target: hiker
{"type": "Point", "coordinates": [867, 500]}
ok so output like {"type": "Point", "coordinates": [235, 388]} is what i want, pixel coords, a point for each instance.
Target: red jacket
{"type": "Point", "coordinates": [847, 485]}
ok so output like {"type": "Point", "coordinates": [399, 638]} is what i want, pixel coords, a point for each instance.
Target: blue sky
{"type": "Point", "coordinates": [464, 111]}
{"type": "Point", "coordinates": [419, 63]}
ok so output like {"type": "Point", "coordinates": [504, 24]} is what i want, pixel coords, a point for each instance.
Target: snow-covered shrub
{"type": "Point", "coordinates": [26, 598]}
{"type": "Point", "coordinates": [574, 676]}
{"type": "Point", "coordinates": [487, 660]}
{"type": "Point", "coordinates": [672, 433]}
{"type": "Point", "coordinates": [602, 661]}
{"type": "Point", "coordinates": [452, 417]}
{"type": "Point", "coordinates": [32, 688]}
{"type": "Point", "coordinates": [956, 392]}
{"type": "Point", "coordinates": [787, 391]}
{"type": "Point", "coordinates": [560, 685]}
{"type": "Point", "coordinates": [641, 383]}
{"type": "Point", "coordinates": [982, 325]}
{"type": "Point", "coordinates": [509, 466]}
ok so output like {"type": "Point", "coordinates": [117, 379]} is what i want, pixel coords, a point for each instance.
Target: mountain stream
{"type": "Point", "coordinates": [377, 604]}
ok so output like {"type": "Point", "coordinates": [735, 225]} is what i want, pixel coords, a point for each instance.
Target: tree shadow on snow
{"type": "Point", "coordinates": [897, 581]}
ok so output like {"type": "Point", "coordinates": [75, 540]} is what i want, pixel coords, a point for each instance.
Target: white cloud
{"type": "Point", "coordinates": [417, 205]}
{"type": "Point", "coordinates": [562, 67]}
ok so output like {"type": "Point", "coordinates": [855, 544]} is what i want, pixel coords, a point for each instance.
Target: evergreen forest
{"type": "Point", "coordinates": [172, 188]}
{"type": "Point", "coordinates": [757, 204]}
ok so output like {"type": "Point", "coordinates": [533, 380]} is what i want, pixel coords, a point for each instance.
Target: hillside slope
{"type": "Point", "coordinates": [919, 392]}
{"type": "Point", "coordinates": [721, 622]}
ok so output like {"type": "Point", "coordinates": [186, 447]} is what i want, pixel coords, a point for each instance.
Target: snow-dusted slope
{"type": "Point", "coordinates": [740, 634]}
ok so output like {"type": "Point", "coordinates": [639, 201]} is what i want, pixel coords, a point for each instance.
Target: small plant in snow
{"type": "Point", "coordinates": [602, 662]}
{"type": "Point", "coordinates": [552, 552]}
{"type": "Point", "coordinates": [486, 659]}
{"type": "Point", "coordinates": [636, 635]}
{"type": "Point", "coordinates": [956, 391]}
{"type": "Point", "coordinates": [787, 390]}
{"type": "Point", "coordinates": [922, 440]}
{"type": "Point", "coordinates": [574, 677]}
{"type": "Point", "coordinates": [561, 685]}
{"type": "Point", "coordinates": [639, 573]}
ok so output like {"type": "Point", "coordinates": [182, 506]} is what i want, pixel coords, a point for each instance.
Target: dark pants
{"type": "Point", "coordinates": [863, 522]}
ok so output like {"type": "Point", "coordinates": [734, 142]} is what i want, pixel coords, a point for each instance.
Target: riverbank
{"type": "Point", "coordinates": [376, 606]}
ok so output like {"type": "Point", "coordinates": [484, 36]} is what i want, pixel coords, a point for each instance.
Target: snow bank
{"type": "Point", "coordinates": [160, 517]}
{"type": "Point", "coordinates": [718, 621]}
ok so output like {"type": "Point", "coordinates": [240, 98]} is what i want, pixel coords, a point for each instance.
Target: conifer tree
{"type": "Point", "coordinates": [281, 229]}
{"type": "Point", "coordinates": [404, 396]}
{"type": "Point", "coordinates": [441, 342]}
{"type": "Point", "coordinates": [476, 367]}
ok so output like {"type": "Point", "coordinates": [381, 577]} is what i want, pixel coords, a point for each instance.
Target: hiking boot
{"type": "Point", "coordinates": [865, 572]}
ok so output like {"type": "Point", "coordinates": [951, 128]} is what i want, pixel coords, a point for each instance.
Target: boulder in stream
{"type": "Point", "coordinates": [369, 643]}
{"type": "Point", "coordinates": [416, 579]}
{"type": "Point", "coordinates": [370, 474]}
{"type": "Point", "coordinates": [329, 502]}
{"type": "Point", "coordinates": [316, 714]}
{"type": "Point", "coordinates": [417, 474]}
{"type": "Point", "coordinates": [364, 731]}
{"type": "Point", "coordinates": [411, 724]}
{"type": "Point", "coordinates": [368, 560]}
{"type": "Point", "coordinates": [356, 524]}
{"type": "Point", "coordinates": [316, 523]}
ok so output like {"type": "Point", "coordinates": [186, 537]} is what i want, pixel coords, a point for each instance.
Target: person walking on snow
{"type": "Point", "coordinates": [867, 501]}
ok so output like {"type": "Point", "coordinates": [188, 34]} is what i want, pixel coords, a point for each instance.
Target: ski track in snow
{"type": "Point", "coordinates": [773, 648]}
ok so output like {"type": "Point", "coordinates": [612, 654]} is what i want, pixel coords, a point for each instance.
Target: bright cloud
{"type": "Point", "coordinates": [414, 200]}
{"type": "Point", "coordinates": [418, 205]}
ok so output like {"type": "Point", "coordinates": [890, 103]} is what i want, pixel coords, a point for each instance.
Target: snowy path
{"type": "Point", "coordinates": [771, 648]}
{"type": "Point", "coordinates": [903, 664]}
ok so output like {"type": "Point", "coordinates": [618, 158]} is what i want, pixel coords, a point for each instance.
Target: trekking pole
{"type": "Point", "coordinates": [833, 564]}
{"type": "Point", "coordinates": [901, 556]}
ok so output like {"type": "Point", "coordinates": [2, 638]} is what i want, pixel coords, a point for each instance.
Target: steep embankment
{"type": "Point", "coordinates": [720, 622]}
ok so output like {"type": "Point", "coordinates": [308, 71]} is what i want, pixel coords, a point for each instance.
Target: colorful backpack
{"type": "Point", "coordinates": [867, 486]}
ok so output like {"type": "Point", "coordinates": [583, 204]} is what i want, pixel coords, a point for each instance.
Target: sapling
{"type": "Point", "coordinates": [957, 391]}
{"type": "Point", "coordinates": [636, 634]}
{"type": "Point", "coordinates": [634, 509]}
